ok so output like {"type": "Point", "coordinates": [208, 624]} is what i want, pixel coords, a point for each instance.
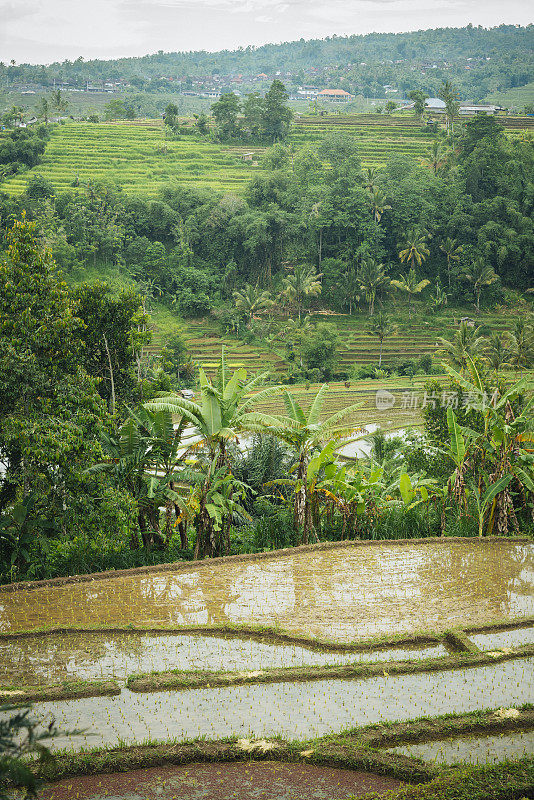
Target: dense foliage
{"type": "Point", "coordinates": [479, 60]}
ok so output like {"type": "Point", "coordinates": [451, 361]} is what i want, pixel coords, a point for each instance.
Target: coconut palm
{"type": "Point", "coordinates": [436, 158]}
{"type": "Point", "coordinates": [373, 280]}
{"type": "Point", "coordinates": [43, 110]}
{"type": "Point", "coordinates": [251, 299]}
{"type": "Point", "coordinates": [496, 353]}
{"type": "Point", "coordinates": [305, 434]}
{"type": "Point", "coordinates": [378, 204]}
{"type": "Point", "coordinates": [58, 101]}
{"type": "Point", "coordinates": [465, 344]}
{"type": "Point", "coordinates": [480, 275]}
{"type": "Point", "coordinates": [449, 95]}
{"type": "Point", "coordinates": [381, 327]}
{"type": "Point", "coordinates": [452, 250]}
{"type": "Point", "coordinates": [414, 249]}
{"type": "Point", "coordinates": [302, 283]}
{"type": "Point", "coordinates": [223, 412]}
{"type": "Point", "coordinates": [520, 343]}
{"type": "Point", "coordinates": [411, 286]}
{"type": "Point", "coordinates": [370, 177]}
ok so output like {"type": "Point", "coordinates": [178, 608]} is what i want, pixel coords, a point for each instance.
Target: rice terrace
{"type": "Point", "coordinates": [266, 402]}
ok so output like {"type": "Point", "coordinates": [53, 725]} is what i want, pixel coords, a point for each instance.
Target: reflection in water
{"type": "Point", "coordinates": [299, 710]}
{"type": "Point", "coordinates": [91, 656]}
{"type": "Point", "coordinates": [471, 750]}
{"type": "Point", "coordinates": [345, 594]}
{"type": "Point", "coordinates": [498, 639]}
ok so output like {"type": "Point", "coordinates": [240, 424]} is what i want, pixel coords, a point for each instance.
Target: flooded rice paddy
{"type": "Point", "coordinates": [37, 660]}
{"type": "Point", "coordinates": [300, 711]}
{"type": "Point", "coordinates": [343, 594]}
{"type": "Point", "coordinates": [494, 640]}
{"type": "Point", "coordinates": [471, 750]}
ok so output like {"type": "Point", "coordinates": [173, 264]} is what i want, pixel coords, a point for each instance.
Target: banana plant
{"type": "Point", "coordinates": [487, 500]}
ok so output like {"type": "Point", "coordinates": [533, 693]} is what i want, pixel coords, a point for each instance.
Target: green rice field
{"type": "Point", "coordinates": [135, 154]}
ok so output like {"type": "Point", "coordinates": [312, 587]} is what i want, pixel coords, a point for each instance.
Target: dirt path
{"type": "Point", "coordinates": [253, 780]}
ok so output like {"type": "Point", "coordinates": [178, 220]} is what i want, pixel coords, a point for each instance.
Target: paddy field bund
{"type": "Point", "coordinates": [380, 639]}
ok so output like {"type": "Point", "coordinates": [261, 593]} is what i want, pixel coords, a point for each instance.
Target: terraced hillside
{"type": "Point", "coordinates": [136, 156]}
{"type": "Point", "coordinates": [378, 137]}
{"type": "Point", "coordinates": [358, 348]}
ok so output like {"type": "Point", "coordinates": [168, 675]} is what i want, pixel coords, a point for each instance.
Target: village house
{"type": "Point", "coordinates": [335, 95]}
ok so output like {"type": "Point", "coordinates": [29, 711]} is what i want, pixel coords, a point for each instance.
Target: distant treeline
{"type": "Point", "coordinates": [500, 58]}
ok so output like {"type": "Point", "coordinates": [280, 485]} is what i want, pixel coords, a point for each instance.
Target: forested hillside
{"type": "Point", "coordinates": [479, 60]}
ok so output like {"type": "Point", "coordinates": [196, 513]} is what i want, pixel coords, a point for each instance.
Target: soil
{"type": "Point", "coordinates": [249, 780]}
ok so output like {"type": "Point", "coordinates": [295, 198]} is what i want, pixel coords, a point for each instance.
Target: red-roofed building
{"type": "Point", "coordinates": [335, 95]}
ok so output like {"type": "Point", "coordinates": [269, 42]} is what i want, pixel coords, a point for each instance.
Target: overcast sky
{"type": "Point", "coordinates": [41, 31]}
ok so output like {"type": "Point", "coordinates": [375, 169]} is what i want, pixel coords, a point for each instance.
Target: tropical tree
{"type": "Point", "coordinates": [303, 282]}
{"type": "Point", "coordinates": [410, 285]}
{"type": "Point", "coordinates": [381, 327]}
{"type": "Point", "coordinates": [373, 280]}
{"type": "Point", "coordinates": [305, 434]}
{"type": "Point", "coordinates": [418, 98]}
{"type": "Point", "coordinates": [370, 178]}
{"type": "Point", "coordinates": [520, 343]}
{"type": "Point", "coordinates": [146, 457]}
{"type": "Point", "coordinates": [437, 157]}
{"type": "Point", "coordinates": [452, 250]}
{"type": "Point", "coordinates": [438, 299]}
{"type": "Point", "coordinates": [502, 451]}
{"type": "Point", "coordinates": [496, 353]}
{"type": "Point", "coordinates": [479, 276]}
{"type": "Point", "coordinates": [43, 110]}
{"type": "Point", "coordinates": [378, 204]}
{"type": "Point", "coordinates": [251, 299]}
{"type": "Point", "coordinates": [414, 250]}
{"type": "Point", "coordinates": [466, 343]}
{"type": "Point", "coordinates": [449, 95]}
{"type": "Point", "coordinates": [59, 102]}
{"type": "Point", "coordinates": [224, 411]}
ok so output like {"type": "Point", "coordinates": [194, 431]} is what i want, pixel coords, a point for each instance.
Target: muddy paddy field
{"type": "Point", "coordinates": [360, 647]}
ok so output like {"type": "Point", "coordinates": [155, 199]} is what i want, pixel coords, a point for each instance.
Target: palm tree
{"type": "Point", "coordinates": [449, 95]}
{"type": "Point", "coordinates": [452, 250]}
{"type": "Point", "coordinates": [370, 179]}
{"type": "Point", "coordinates": [373, 280]}
{"type": "Point", "coordinates": [436, 158]}
{"type": "Point", "coordinates": [381, 327]}
{"type": "Point", "coordinates": [251, 299]}
{"type": "Point", "coordinates": [414, 249]}
{"type": "Point", "coordinates": [304, 433]}
{"type": "Point", "coordinates": [496, 353]}
{"type": "Point", "coordinates": [378, 204]}
{"type": "Point", "coordinates": [466, 343]}
{"type": "Point", "coordinates": [521, 344]}
{"type": "Point", "coordinates": [223, 412]}
{"type": "Point", "coordinates": [43, 110]}
{"type": "Point", "coordinates": [480, 275]}
{"type": "Point", "coordinates": [304, 282]}
{"type": "Point", "coordinates": [59, 103]}
{"type": "Point", "coordinates": [411, 286]}
{"type": "Point", "coordinates": [352, 287]}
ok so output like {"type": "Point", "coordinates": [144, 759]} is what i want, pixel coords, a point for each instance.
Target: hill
{"type": "Point", "coordinates": [474, 58]}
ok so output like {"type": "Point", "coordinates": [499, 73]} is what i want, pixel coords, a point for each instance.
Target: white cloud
{"type": "Point", "coordinates": [46, 30]}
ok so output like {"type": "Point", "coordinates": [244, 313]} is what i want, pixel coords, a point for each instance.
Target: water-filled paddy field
{"type": "Point", "coordinates": [90, 656]}
{"type": "Point", "coordinates": [299, 710]}
{"type": "Point", "coordinates": [342, 593]}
